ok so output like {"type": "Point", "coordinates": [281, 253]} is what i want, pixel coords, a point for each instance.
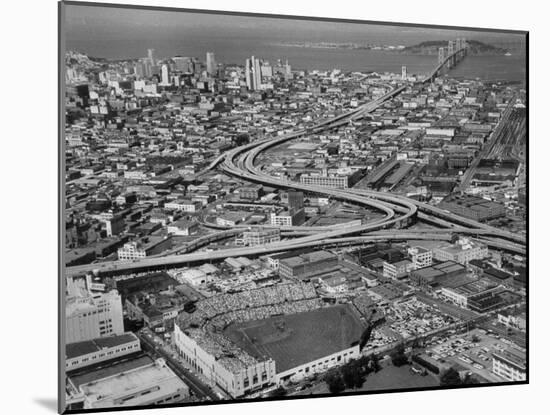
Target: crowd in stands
{"type": "Point", "coordinates": [230, 355]}
{"type": "Point", "coordinates": [220, 305]}
{"type": "Point", "coordinates": [260, 313]}
{"type": "Point", "coordinates": [221, 310]}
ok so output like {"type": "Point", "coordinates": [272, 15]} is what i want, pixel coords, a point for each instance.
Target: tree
{"type": "Point", "coordinates": [470, 380]}
{"type": "Point", "coordinates": [374, 364]}
{"type": "Point", "coordinates": [280, 391]}
{"type": "Point", "coordinates": [450, 378]}
{"type": "Point", "coordinates": [352, 374]}
{"type": "Point", "coordinates": [335, 382]}
{"type": "Point", "coordinates": [365, 364]}
{"type": "Point", "coordinates": [242, 139]}
{"type": "Point", "coordinates": [399, 358]}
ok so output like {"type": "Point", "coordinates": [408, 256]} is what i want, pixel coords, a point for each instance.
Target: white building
{"type": "Point", "coordinates": [135, 174]}
{"type": "Point", "coordinates": [131, 251]}
{"type": "Point", "coordinates": [420, 257]}
{"type": "Point", "coordinates": [255, 237]}
{"type": "Point", "coordinates": [455, 295]}
{"type": "Point", "coordinates": [233, 370]}
{"type": "Point", "coordinates": [232, 218]}
{"type": "Point", "coordinates": [336, 181]}
{"type": "Point", "coordinates": [510, 364]}
{"type": "Point", "coordinates": [516, 321]}
{"type": "Point", "coordinates": [165, 75]}
{"type": "Point", "coordinates": [89, 352]}
{"type": "Point", "coordinates": [397, 269]}
{"type": "Point", "coordinates": [194, 276]}
{"type": "Point", "coordinates": [210, 63]}
{"type": "Point", "coordinates": [462, 252]}
{"type": "Point", "coordinates": [318, 366]}
{"type": "Point", "coordinates": [152, 384]}
{"type": "Point", "coordinates": [182, 227]}
{"type": "Point", "coordinates": [183, 206]}
{"type": "Point", "coordinates": [290, 217]}
{"type": "Point", "coordinates": [93, 316]}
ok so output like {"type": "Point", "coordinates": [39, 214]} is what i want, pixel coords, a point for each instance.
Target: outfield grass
{"type": "Point", "coordinates": [295, 339]}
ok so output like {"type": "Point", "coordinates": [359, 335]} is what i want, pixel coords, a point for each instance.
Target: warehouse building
{"type": "Point", "coordinates": [303, 265]}
{"type": "Point", "coordinates": [473, 207]}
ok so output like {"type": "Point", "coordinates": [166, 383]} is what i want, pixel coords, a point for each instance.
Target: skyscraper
{"type": "Point", "coordinates": [184, 64]}
{"type": "Point", "coordinates": [253, 74]}
{"type": "Point", "coordinates": [403, 72]}
{"type": "Point", "coordinates": [210, 64]}
{"type": "Point", "coordinates": [247, 74]}
{"type": "Point", "coordinates": [151, 56]}
{"type": "Point", "coordinates": [165, 75]}
{"type": "Point", "coordinates": [295, 200]}
{"type": "Point", "coordinates": [140, 69]}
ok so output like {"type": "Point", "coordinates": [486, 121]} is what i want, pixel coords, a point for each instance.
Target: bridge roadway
{"type": "Point", "coordinates": [378, 200]}
{"type": "Point", "coordinates": [442, 64]}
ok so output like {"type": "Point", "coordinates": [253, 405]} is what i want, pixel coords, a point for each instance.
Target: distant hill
{"type": "Point", "coordinates": [431, 47]}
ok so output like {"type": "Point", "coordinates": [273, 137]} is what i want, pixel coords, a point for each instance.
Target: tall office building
{"type": "Point", "coordinates": [247, 75]}
{"type": "Point", "coordinates": [266, 70]}
{"type": "Point", "coordinates": [164, 75]}
{"type": "Point", "coordinates": [211, 67]}
{"type": "Point", "coordinates": [253, 74]}
{"type": "Point", "coordinates": [295, 200]}
{"type": "Point", "coordinates": [184, 64]}
{"type": "Point", "coordinates": [139, 69]}
{"type": "Point", "coordinates": [92, 316]}
{"type": "Point", "coordinates": [151, 56]}
{"type": "Point", "coordinates": [403, 72]}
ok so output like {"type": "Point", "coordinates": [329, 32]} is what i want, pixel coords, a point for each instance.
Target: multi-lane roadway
{"type": "Point", "coordinates": [399, 211]}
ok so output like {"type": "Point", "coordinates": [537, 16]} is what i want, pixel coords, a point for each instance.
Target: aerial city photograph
{"type": "Point", "coordinates": [269, 207]}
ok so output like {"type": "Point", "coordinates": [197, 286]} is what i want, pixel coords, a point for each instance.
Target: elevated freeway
{"type": "Point", "coordinates": [157, 263]}
{"type": "Point", "coordinates": [399, 211]}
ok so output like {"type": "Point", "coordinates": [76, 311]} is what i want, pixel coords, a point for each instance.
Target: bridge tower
{"type": "Point", "coordinates": [441, 56]}
{"type": "Point", "coordinates": [459, 49]}
{"type": "Point", "coordinates": [464, 46]}
{"type": "Point", "coordinates": [450, 62]}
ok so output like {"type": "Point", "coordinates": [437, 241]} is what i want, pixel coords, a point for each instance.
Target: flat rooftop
{"type": "Point", "coordinates": [513, 357]}
{"type": "Point", "coordinates": [109, 370]}
{"type": "Point", "coordinates": [295, 339]}
{"type": "Point", "coordinates": [155, 375]}
{"type": "Point", "coordinates": [73, 350]}
{"type": "Point", "coordinates": [311, 257]}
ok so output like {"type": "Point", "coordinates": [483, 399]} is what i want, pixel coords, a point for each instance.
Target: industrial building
{"type": "Point", "coordinates": [305, 264]}
{"type": "Point", "coordinates": [90, 352]}
{"type": "Point", "coordinates": [92, 316]}
{"type": "Point", "coordinates": [258, 236]}
{"type": "Point", "coordinates": [473, 207]}
{"type": "Point", "coordinates": [510, 364]}
{"type": "Point", "coordinates": [140, 381]}
{"type": "Point", "coordinates": [463, 251]}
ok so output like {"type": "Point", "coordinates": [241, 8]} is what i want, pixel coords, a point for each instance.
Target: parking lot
{"type": "Point", "coordinates": [474, 356]}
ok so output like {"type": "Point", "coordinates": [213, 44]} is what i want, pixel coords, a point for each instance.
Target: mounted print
{"type": "Point", "coordinates": [265, 207]}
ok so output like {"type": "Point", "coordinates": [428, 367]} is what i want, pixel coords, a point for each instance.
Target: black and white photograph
{"type": "Point", "coordinates": [264, 207]}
